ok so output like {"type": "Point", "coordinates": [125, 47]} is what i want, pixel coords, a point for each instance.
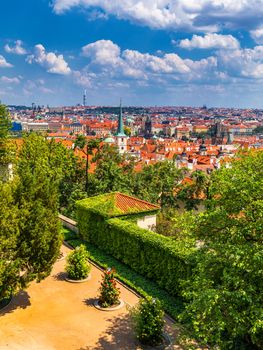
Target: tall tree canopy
{"type": "Point", "coordinates": [225, 291]}
{"type": "Point", "coordinates": [30, 230]}
{"type": "Point", "coordinates": [5, 126]}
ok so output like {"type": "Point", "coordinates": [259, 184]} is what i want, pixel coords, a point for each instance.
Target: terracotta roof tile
{"type": "Point", "coordinates": [127, 204]}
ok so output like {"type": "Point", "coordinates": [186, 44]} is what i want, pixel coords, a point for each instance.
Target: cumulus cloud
{"type": "Point", "coordinates": [109, 62]}
{"type": "Point", "coordinates": [4, 63]}
{"type": "Point", "coordinates": [257, 35]}
{"type": "Point", "coordinates": [108, 65]}
{"type": "Point", "coordinates": [14, 80]}
{"type": "Point", "coordinates": [202, 15]}
{"type": "Point", "coordinates": [102, 51]}
{"type": "Point", "coordinates": [49, 60]}
{"type": "Point", "coordinates": [17, 48]}
{"type": "Point", "coordinates": [210, 41]}
{"type": "Point", "coordinates": [246, 63]}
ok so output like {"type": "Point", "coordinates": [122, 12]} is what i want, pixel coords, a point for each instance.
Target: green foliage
{"type": "Point", "coordinates": [10, 280]}
{"type": "Point", "coordinates": [78, 266]}
{"type": "Point", "coordinates": [225, 291]}
{"type": "Point", "coordinates": [148, 320]}
{"type": "Point", "coordinates": [152, 255]}
{"type": "Point", "coordinates": [143, 286]}
{"type": "Point", "coordinates": [114, 172]}
{"type": "Point", "coordinates": [176, 225]}
{"type": "Point", "coordinates": [30, 229]}
{"type": "Point", "coordinates": [40, 170]}
{"type": "Point", "coordinates": [156, 183]}
{"type": "Point", "coordinates": [109, 292]}
{"type": "Point", "coordinates": [193, 194]}
{"type": "Point", "coordinates": [87, 146]}
{"type": "Point", "coordinates": [6, 148]}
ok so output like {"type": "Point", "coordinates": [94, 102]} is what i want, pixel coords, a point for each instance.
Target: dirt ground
{"type": "Point", "coordinates": [58, 315]}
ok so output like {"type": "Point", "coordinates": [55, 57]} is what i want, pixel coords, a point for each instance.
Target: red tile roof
{"type": "Point", "coordinates": [127, 204]}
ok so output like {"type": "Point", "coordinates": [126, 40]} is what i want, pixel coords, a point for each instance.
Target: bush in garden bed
{"type": "Point", "coordinates": [148, 321]}
{"type": "Point", "coordinates": [109, 292]}
{"type": "Point", "coordinates": [78, 266]}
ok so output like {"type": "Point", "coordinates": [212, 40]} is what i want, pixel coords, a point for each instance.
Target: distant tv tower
{"type": "Point", "coordinates": [84, 97]}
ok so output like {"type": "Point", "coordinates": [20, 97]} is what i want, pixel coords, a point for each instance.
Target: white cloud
{"type": "Point", "coordinates": [210, 41]}
{"type": "Point", "coordinates": [246, 63]}
{"type": "Point", "coordinates": [203, 15]}
{"type": "Point", "coordinates": [83, 79]}
{"type": "Point", "coordinates": [14, 80]}
{"type": "Point", "coordinates": [16, 49]}
{"type": "Point", "coordinates": [4, 63]}
{"type": "Point", "coordinates": [46, 90]}
{"type": "Point", "coordinates": [49, 60]}
{"type": "Point", "coordinates": [257, 35]}
{"type": "Point", "coordinates": [109, 62]}
{"type": "Point", "coordinates": [102, 51]}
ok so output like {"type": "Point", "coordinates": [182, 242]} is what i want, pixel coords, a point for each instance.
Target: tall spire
{"type": "Point", "coordinates": [120, 131]}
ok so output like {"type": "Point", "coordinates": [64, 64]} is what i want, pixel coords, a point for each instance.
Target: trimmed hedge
{"type": "Point", "coordinates": [154, 256]}
{"type": "Point", "coordinates": [143, 286]}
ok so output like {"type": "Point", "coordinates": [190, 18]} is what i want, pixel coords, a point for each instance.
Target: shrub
{"type": "Point", "coordinates": [109, 292]}
{"type": "Point", "coordinates": [154, 256]}
{"type": "Point", "coordinates": [148, 321]}
{"type": "Point", "coordinates": [78, 266]}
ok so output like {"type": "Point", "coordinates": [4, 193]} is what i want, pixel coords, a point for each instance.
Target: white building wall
{"type": "Point", "coordinates": [147, 222]}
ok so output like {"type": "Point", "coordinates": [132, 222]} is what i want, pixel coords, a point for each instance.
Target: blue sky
{"type": "Point", "coordinates": [150, 52]}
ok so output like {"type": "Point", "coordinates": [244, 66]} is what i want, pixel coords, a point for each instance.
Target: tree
{"type": "Point", "coordinates": [10, 279]}
{"type": "Point", "coordinates": [87, 148]}
{"type": "Point", "coordinates": [176, 225]}
{"type": "Point", "coordinates": [148, 320]}
{"type": "Point", "coordinates": [5, 126]}
{"type": "Point", "coordinates": [156, 183]}
{"type": "Point", "coordinates": [196, 191]}
{"type": "Point", "coordinates": [127, 131]}
{"type": "Point", "coordinates": [114, 172]}
{"type": "Point", "coordinates": [40, 169]}
{"type": "Point", "coordinates": [7, 149]}
{"type": "Point", "coordinates": [225, 291]}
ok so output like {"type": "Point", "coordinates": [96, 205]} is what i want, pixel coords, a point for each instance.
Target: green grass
{"type": "Point", "coordinates": [143, 286]}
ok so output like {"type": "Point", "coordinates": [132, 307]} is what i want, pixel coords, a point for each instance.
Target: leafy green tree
{"type": "Point", "coordinates": [114, 172]}
{"type": "Point", "coordinates": [7, 149]}
{"type": "Point", "coordinates": [10, 279]}
{"type": "Point", "coordinates": [87, 146]}
{"type": "Point", "coordinates": [225, 291]}
{"type": "Point", "coordinates": [194, 193]}
{"type": "Point", "coordinates": [148, 320]}
{"type": "Point", "coordinates": [40, 169]}
{"type": "Point", "coordinates": [177, 225]}
{"type": "Point", "coordinates": [156, 183]}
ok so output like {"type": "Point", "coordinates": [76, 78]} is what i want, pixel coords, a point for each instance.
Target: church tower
{"type": "Point", "coordinates": [121, 137]}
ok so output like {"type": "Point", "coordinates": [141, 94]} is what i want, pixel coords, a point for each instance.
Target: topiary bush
{"type": "Point", "coordinates": [109, 292]}
{"type": "Point", "coordinates": [78, 266]}
{"type": "Point", "coordinates": [148, 321]}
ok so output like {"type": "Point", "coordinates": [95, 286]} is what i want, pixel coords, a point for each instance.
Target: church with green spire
{"type": "Point", "coordinates": [121, 137]}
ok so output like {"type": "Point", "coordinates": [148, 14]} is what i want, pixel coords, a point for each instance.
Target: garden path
{"type": "Point", "coordinates": [58, 315]}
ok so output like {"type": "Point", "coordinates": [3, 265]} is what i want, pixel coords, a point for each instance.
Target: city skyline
{"type": "Point", "coordinates": [156, 52]}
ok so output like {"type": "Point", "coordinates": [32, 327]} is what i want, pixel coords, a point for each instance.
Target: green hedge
{"type": "Point", "coordinates": [143, 286]}
{"type": "Point", "coordinates": [154, 256]}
